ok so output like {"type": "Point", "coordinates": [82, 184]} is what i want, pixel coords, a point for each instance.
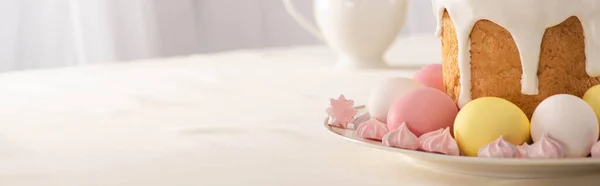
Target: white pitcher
{"type": "Point", "coordinates": [360, 31]}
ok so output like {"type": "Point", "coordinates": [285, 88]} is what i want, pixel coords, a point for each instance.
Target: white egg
{"type": "Point", "coordinates": [568, 119]}
{"type": "Point", "coordinates": [387, 93]}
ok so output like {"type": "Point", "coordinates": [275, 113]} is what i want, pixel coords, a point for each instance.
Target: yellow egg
{"type": "Point", "coordinates": [592, 97]}
{"type": "Point", "coordinates": [483, 120]}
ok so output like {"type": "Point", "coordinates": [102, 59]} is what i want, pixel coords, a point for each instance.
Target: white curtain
{"type": "Point", "coordinates": [54, 33]}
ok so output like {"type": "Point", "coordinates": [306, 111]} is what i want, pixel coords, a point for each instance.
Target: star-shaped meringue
{"type": "Point", "coordinates": [341, 112]}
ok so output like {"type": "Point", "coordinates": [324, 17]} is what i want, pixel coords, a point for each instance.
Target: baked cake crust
{"type": "Point", "coordinates": [496, 67]}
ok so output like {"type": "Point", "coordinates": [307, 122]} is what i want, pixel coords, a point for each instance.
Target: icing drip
{"type": "Point", "coordinates": [527, 21]}
{"type": "Point", "coordinates": [590, 22]}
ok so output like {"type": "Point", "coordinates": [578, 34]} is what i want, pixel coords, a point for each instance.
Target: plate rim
{"type": "Point", "coordinates": [462, 159]}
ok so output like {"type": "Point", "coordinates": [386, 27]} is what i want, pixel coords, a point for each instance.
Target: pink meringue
{"type": "Point", "coordinates": [429, 134]}
{"type": "Point", "coordinates": [546, 147]}
{"type": "Point", "coordinates": [596, 150]}
{"type": "Point", "coordinates": [401, 138]}
{"type": "Point", "coordinates": [523, 150]}
{"type": "Point", "coordinates": [361, 119]}
{"type": "Point", "coordinates": [442, 143]}
{"type": "Point", "coordinates": [372, 129]}
{"type": "Point", "coordinates": [498, 148]}
{"type": "Point", "coordinates": [341, 112]}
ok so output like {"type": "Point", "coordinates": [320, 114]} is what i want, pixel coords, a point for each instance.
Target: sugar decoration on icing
{"type": "Point", "coordinates": [527, 22]}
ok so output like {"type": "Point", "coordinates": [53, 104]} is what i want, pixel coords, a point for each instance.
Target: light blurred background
{"type": "Point", "coordinates": [53, 33]}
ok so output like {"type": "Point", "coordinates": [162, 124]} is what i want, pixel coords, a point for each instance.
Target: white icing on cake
{"type": "Point", "coordinates": [527, 21]}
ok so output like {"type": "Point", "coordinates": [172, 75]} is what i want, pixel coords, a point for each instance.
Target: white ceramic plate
{"type": "Point", "coordinates": [488, 167]}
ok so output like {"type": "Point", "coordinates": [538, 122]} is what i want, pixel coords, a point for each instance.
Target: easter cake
{"type": "Point", "coordinates": [520, 50]}
{"type": "Point", "coordinates": [518, 79]}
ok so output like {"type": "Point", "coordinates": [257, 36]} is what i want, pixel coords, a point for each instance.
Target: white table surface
{"type": "Point", "coordinates": [251, 118]}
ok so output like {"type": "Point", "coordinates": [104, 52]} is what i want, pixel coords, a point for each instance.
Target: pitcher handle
{"type": "Point", "coordinates": [304, 23]}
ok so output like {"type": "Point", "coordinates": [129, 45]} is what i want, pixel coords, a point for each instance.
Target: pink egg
{"type": "Point", "coordinates": [431, 76]}
{"type": "Point", "coordinates": [424, 110]}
